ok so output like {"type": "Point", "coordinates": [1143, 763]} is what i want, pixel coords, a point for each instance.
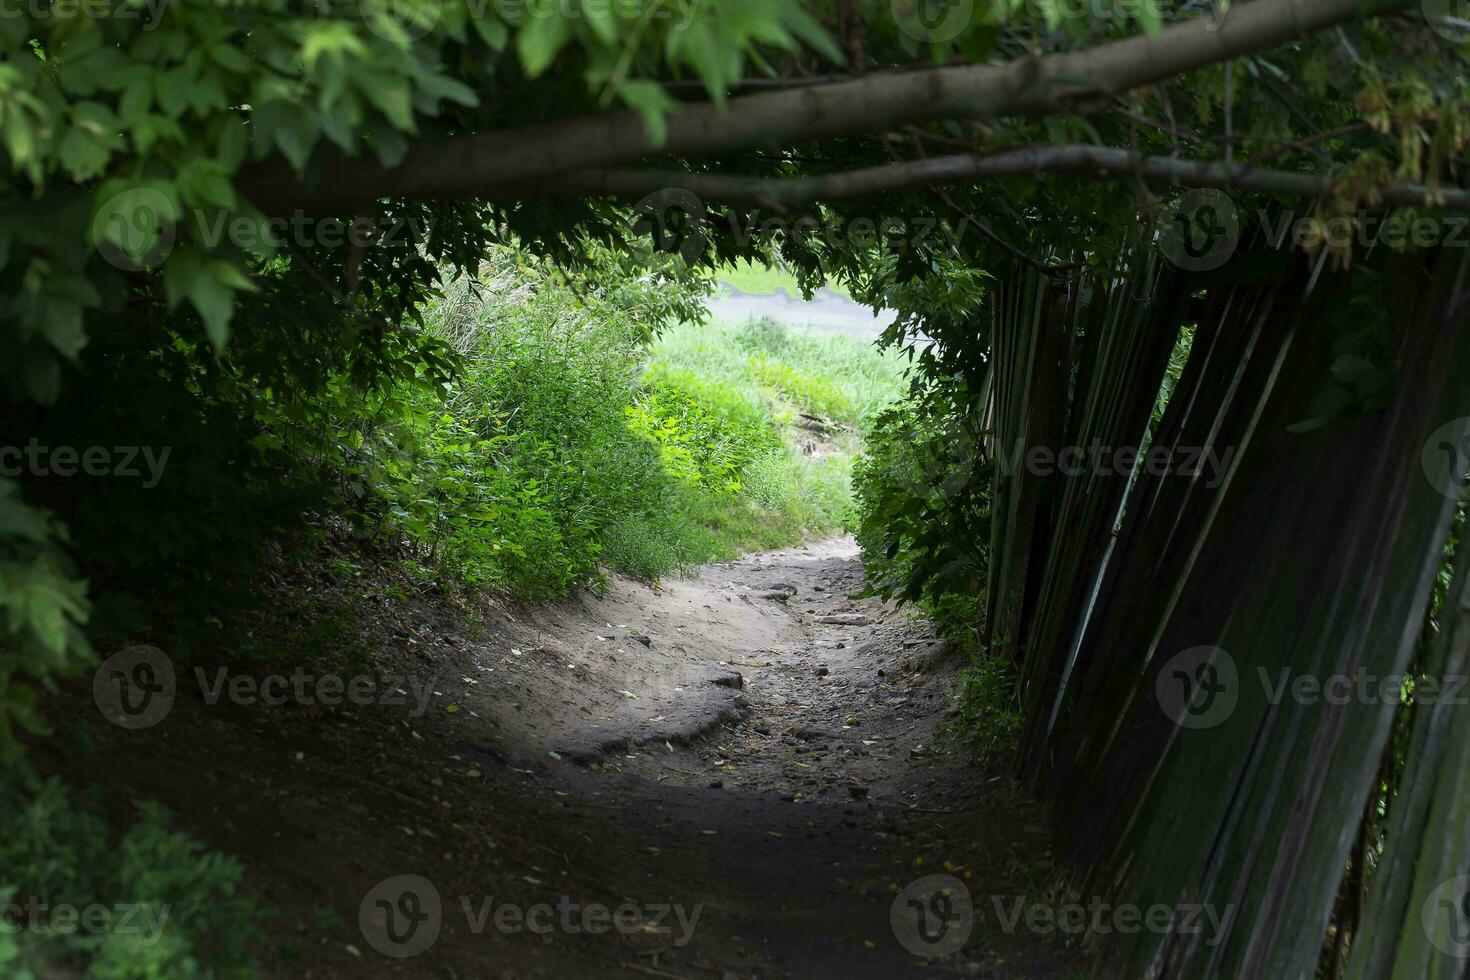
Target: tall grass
{"type": "Point", "coordinates": [830, 375]}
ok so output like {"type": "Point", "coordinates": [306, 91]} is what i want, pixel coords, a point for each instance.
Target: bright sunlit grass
{"type": "Point", "coordinates": [759, 280]}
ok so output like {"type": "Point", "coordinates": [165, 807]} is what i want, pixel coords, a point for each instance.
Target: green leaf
{"type": "Point", "coordinates": [652, 103]}
{"type": "Point", "coordinates": [63, 327]}
{"type": "Point", "coordinates": [175, 91]}
{"type": "Point", "coordinates": [133, 216]}
{"type": "Point", "coordinates": [491, 30]}
{"type": "Point", "coordinates": [215, 302]}
{"type": "Point", "coordinates": [539, 42]}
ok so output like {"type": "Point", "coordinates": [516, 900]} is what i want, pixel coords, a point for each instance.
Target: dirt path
{"type": "Point", "coordinates": [733, 776]}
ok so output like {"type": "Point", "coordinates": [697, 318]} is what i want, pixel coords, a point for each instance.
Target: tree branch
{"type": "Point", "coordinates": [474, 165]}
{"type": "Point", "coordinates": [1083, 160]}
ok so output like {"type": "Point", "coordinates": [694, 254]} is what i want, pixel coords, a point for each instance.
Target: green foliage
{"type": "Point", "coordinates": [989, 711]}
{"type": "Point", "coordinates": [173, 909]}
{"type": "Point", "coordinates": [924, 502]}
{"type": "Point", "coordinates": [815, 394]}
{"type": "Point", "coordinates": [800, 481]}
{"type": "Point", "coordinates": [565, 445]}
{"type": "Point", "coordinates": [44, 609]}
{"type": "Point", "coordinates": [511, 475]}
{"type": "Point", "coordinates": [697, 445]}
{"type": "Point", "coordinates": [746, 367]}
{"type": "Point", "coordinates": [148, 299]}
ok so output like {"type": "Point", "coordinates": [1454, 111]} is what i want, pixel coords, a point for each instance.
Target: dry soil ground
{"type": "Point", "coordinates": [730, 776]}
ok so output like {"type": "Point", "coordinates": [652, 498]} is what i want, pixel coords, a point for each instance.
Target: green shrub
{"type": "Point", "coordinates": [923, 497]}
{"type": "Point", "coordinates": [989, 709]}
{"type": "Point", "coordinates": [513, 478]}
{"type": "Point", "coordinates": [754, 377]}
{"type": "Point", "coordinates": [811, 393]}
{"type": "Point", "coordinates": [173, 909]}
{"type": "Point", "coordinates": [698, 446]}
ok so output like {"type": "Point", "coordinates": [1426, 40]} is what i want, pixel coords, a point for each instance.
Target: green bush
{"type": "Point", "coordinates": [923, 502]}
{"type": "Point", "coordinates": [923, 496]}
{"type": "Point", "coordinates": [755, 377]}
{"type": "Point", "coordinates": [568, 442]}
{"type": "Point", "coordinates": [512, 476]}
{"type": "Point", "coordinates": [989, 709]}
{"type": "Point", "coordinates": [174, 910]}
{"type": "Point", "coordinates": [699, 446]}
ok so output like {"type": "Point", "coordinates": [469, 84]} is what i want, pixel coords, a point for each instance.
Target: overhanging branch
{"type": "Point", "coordinates": [484, 163]}
{"type": "Point", "coordinates": [1083, 160]}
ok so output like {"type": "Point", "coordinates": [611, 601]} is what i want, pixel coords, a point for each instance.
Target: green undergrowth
{"type": "Point", "coordinates": [576, 438]}
{"type": "Point", "coordinates": [782, 415]}
{"type": "Point", "coordinates": [146, 904]}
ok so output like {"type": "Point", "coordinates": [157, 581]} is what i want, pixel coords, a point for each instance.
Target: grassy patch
{"type": "Point", "coordinates": [569, 443]}
{"type": "Point", "coordinates": [760, 426]}
{"type": "Point", "coordinates": [760, 280]}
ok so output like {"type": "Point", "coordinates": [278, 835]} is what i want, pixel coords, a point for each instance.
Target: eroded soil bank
{"type": "Point", "coordinates": [730, 776]}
